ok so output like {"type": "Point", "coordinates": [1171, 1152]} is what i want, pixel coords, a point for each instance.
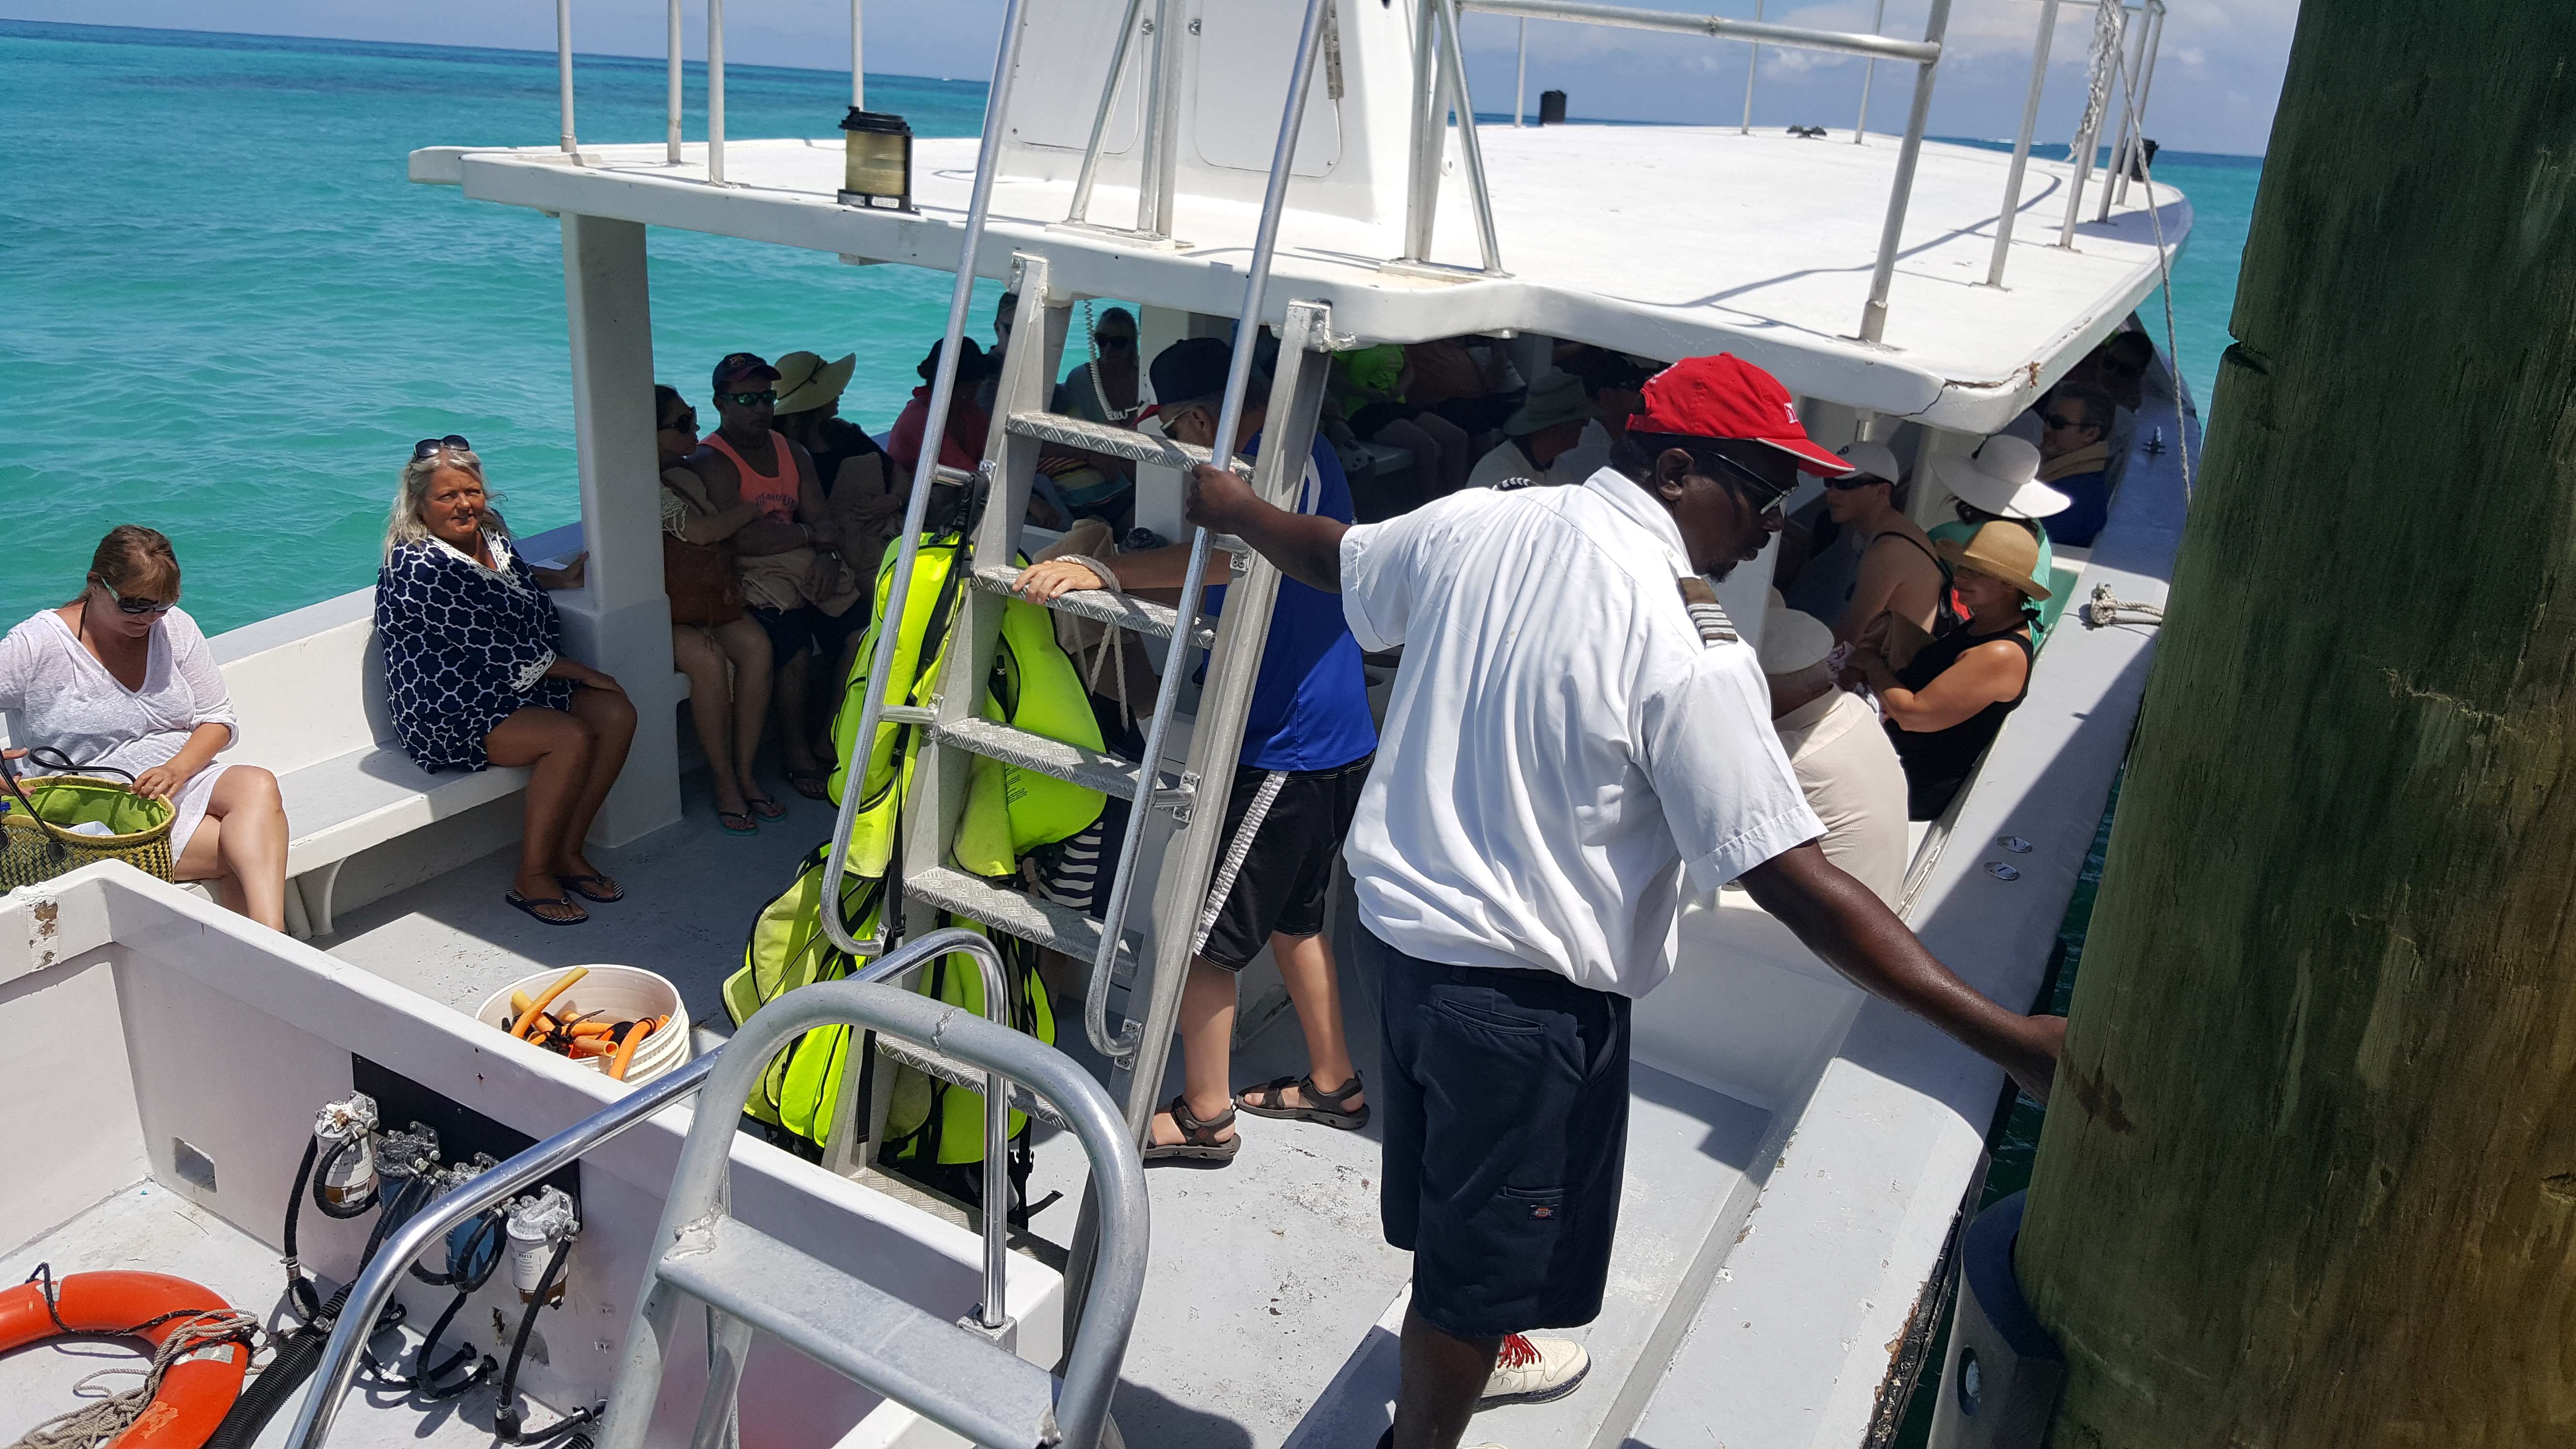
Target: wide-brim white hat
{"type": "Point", "coordinates": [1793, 640]}
{"type": "Point", "coordinates": [2001, 478]}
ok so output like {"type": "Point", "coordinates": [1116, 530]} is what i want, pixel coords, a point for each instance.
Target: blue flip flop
{"type": "Point", "coordinates": [725, 819]}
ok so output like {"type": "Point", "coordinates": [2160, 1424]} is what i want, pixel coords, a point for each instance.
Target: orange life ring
{"type": "Point", "coordinates": [197, 1391]}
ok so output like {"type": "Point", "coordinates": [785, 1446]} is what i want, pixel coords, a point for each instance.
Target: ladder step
{"type": "Point", "coordinates": [1058, 928]}
{"type": "Point", "coordinates": [1094, 437]}
{"type": "Point", "coordinates": [956, 1073]}
{"type": "Point", "coordinates": [1091, 769]}
{"type": "Point", "coordinates": [1124, 610]}
{"type": "Point", "coordinates": [962, 1382]}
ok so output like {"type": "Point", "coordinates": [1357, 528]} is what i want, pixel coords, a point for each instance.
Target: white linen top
{"type": "Point", "coordinates": [71, 703]}
{"type": "Point", "coordinates": [1560, 742]}
{"type": "Point", "coordinates": [1854, 783]}
{"type": "Point", "coordinates": [1505, 461]}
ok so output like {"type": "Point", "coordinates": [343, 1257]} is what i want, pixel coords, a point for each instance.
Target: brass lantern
{"type": "Point", "coordinates": [878, 168]}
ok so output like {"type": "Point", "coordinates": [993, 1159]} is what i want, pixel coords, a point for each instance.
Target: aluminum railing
{"type": "Point", "coordinates": [375, 1286]}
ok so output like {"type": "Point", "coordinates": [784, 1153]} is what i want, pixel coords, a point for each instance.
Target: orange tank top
{"type": "Point", "coordinates": [775, 492]}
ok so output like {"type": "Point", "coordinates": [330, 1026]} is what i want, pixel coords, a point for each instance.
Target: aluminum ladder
{"type": "Point", "coordinates": [954, 731]}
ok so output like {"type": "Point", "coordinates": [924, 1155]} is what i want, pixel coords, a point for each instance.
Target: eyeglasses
{"type": "Point", "coordinates": [428, 447]}
{"type": "Point", "coordinates": [767, 397]}
{"type": "Point", "coordinates": [685, 423]}
{"type": "Point", "coordinates": [1115, 341]}
{"type": "Point", "coordinates": [1770, 496]}
{"type": "Point", "coordinates": [125, 605]}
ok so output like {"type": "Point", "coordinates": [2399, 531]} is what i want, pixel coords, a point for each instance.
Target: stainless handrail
{"type": "Point", "coordinates": [715, 93]}
{"type": "Point", "coordinates": [1868, 73]}
{"type": "Point", "coordinates": [1799, 37]}
{"type": "Point", "coordinates": [1471, 148]}
{"type": "Point", "coordinates": [943, 387]}
{"type": "Point", "coordinates": [2125, 89]}
{"type": "Point", "coordinates": [1080, 210]}
{"type": "Point", "coordinates": [375, 1286]}
{"type": "Point", "coordinates": [2021, 142]}
{"type": "Point", "coordinates": [2146, 88]}
{"type": "Point", "coordinates": [1900, 191]}
{"type": "Point", "coordinates": [563, 70]}
{"type": "Point", "coordinates": [671, 126]}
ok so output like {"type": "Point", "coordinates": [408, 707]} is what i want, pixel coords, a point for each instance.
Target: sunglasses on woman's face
{"type": "Point", "coordinates": [685, 423]}
{"type": "Point", "coordinates": [125, 605]}
{"type": "Point", "coordinates": [428, 447]}
{"type": "Point", "coordinates": [1115, 341]}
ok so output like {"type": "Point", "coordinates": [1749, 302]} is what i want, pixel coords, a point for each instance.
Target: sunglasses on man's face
{"type": "Point", "coordinates": [2055, 421]}
{"type": "Point", "coordinates": [428, 447]}
{"type": "Point", "coordinates": [125, 605]}
{"type": "Point", "coordinates": [765, 398]}
{"type": "Point", "coordinates": [1767, 495]}
{"type": "Point", "coordinates": [1854, 482]}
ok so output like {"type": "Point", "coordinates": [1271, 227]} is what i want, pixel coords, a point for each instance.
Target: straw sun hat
{"type": "Point", "coordinates": [1999, 550]}
{"type": "Point", "coordinates": [806, 381]}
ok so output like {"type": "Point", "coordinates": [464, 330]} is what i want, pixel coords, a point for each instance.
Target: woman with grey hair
{"type": "Point", "coordinates": [475, 676]}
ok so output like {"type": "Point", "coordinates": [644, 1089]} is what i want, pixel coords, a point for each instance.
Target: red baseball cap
{"type": "Point", "coordinates": [1727, 397]}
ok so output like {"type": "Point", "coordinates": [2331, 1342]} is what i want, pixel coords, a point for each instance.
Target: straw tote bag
{"type": "Point", "coordinates": [40, 817]}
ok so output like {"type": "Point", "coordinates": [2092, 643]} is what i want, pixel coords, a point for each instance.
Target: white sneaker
{"type": "Point", "coordinates": [1534, 1370]}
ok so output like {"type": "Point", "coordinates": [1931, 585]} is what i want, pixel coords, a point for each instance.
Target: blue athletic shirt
{"type": "Point", "coordinates": [1310, 707]}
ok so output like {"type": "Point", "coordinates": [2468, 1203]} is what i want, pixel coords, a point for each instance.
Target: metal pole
{"type": "Point", "coordinates": [1761, 32]}
{"type": "Point", "coordinates": [1752, 64]}
{"type": "Point", "coordinates": [671, 132]}
{"type": "Point", "coordinates": [2085, 140]}
{"type": "Point", "coordinates": [2146, 87]}
{"type": "Point", "coordinates": [925, 470]}
{"type": "Point", "coordinates": [1520, 78]}
{"type": "Point", "coordinates": [1153, 1048]}
{"type": "Point", "coordinates": [1154, 209]}
{"type": "Point", "coordinates": [2021, 143]}
{"type": "Point", "coordinates": [1869, 72]}
{"type": "Point", "coordinates": [563, 67]}
{"type": "Point", "coordinates": [1873, 317]}
{"type": "Point", "coordinates": [1422, 166]}
{"type": "Point", "coordinates": [2125, 87]}
{"type": "Point", "coordinates": [858, 58]}
{"type": "Point", "coordinates": [1081, 208]}
{"type": "Point", "coordinates": [1469, 144]}
{"type": "Point", "coordinates": [715, 99]}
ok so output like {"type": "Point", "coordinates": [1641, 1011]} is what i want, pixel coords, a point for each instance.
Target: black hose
{"type": "Point", "coordinates": [466, 1278]}
{"type": "Point", "coordinates": [506, 1425]}
{"type": "Point", "coordinates": [298, 1354]}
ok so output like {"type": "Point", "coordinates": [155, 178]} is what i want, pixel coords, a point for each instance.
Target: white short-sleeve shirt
{"type": "Point", "coordinates": [1561, 743]}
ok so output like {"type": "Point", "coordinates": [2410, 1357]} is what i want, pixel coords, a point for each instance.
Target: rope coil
{"type": "Point", "coordinates": [92, 1425]}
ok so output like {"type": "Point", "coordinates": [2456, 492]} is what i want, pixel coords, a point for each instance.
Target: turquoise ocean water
{"type": "Point", "coordinates": [228, 314]}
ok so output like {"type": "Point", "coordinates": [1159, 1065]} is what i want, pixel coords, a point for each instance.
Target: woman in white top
{"type": "Point", "coordinates": [121, 676]}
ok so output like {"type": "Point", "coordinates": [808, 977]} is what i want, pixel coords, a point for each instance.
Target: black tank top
{"type": "Point", "coordinates": [1937, 762]}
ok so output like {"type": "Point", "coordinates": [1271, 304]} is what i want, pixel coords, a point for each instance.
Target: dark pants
{"type": "Point", "coordinates": [1505, 1099]}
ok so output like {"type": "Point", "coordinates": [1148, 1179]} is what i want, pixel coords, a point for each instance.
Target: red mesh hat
{"type": "Point", "coordinates": [1727, 397]}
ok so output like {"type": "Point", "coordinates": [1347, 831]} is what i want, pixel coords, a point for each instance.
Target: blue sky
{"type": "Point", "coordinates": [2215, 84]}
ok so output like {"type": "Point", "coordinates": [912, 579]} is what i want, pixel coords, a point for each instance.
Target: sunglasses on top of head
{"type": "Point", "coordinates": [125, 605]}
{"type": "Point", "coordinates": [428, 447]}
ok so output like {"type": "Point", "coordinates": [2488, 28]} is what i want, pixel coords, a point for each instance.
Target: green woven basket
{"type": "Point", "coordinates": [38, 813]}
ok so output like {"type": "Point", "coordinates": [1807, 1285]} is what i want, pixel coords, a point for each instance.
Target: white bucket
{"type": "Point", "coordinates": [619, 993]}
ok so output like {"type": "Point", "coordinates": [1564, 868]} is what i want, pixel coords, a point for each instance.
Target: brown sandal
{"type": "Point", "coordinates": [1326, 1107]}
{"type": "Point", "coordinates": [1199, 1141]}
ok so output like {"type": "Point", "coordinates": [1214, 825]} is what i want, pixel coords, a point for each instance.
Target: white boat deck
{"type": "Point", "coordinates": [1662, 241]}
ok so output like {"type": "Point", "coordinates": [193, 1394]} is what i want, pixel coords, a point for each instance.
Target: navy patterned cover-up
{"type": "Point", "coordinates": [465, 648]}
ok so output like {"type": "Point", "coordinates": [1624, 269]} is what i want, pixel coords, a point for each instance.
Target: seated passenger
{"type": "Point", "coordinates": [1896, 574]}
{"type": "Point", "coordinates": [1845, 766]}
{"type": "Point", "coordinates": [473, 677]}
{"type": "Point", "coordinates": [1615, 383]}
{"type": "Point", "coordinates": [121, 677]}
{"type": "Point", "coordinates": [794, 579]}
{"type": "Point", "coordinates": [1949, 701]}
{"type": "Point", "coordinates": [2001, 480]}
{"type": "Point", "coordinates": [714, 641]}
{"type": "Point", "coordinates": [961, 445]}
{"type": "Point", "coordinates": [860, 490]}
{"type": "Point", "coordinates": [1369, 385]}
{"type": "Point", "coordinates": [2119, 367]}
{"type": "Point", "coordinates": [1107, 389]}
{"type": "Point", "coordinates": [1450, 379]}
{"type": "Point", "coordinates": [2074, 452]}
{"type": "Point", "coordinates": [1543, 436]}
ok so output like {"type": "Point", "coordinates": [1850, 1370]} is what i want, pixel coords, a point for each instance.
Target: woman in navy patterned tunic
{"type": "Point", "coordinates": [475, 679]}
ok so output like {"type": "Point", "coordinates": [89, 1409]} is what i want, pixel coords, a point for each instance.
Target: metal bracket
{"type": "Point", "coordinates": [1005, 1335]}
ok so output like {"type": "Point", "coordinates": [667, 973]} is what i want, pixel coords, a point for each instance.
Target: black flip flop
{"type": "Point", "coordinates": [580, 885]}
{"type": "Point", "coordinates": [812, 784]}
{"type": "Point", "coordinates": [530, 905]}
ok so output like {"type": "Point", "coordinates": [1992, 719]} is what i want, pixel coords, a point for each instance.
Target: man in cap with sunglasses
{"type": "Point", "coordinates": [1574, 727]}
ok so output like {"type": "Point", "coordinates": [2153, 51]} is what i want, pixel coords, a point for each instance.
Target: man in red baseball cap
{"type": "Point", "coordinates": [1574, 727]}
